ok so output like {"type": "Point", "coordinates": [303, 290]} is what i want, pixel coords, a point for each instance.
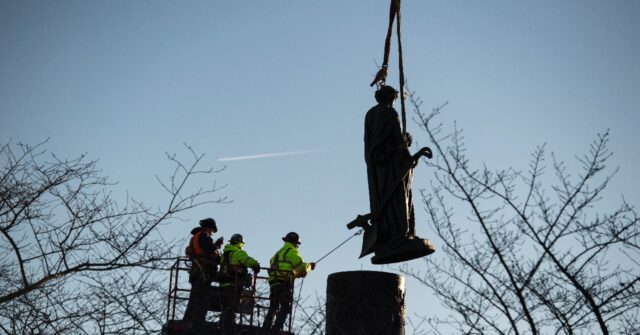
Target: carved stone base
{"type": "Point", "coordinates": [406, 249]}
{"type": "Point", "coordinates": [365, 303]}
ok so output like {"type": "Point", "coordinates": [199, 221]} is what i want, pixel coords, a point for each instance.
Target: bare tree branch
{"type": "Point", "coordinates": [528, 262]}
{"type": "Point", "coordinates": [78, 261]}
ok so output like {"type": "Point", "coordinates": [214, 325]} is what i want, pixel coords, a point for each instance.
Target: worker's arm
{"type": "Point", "coordinates": [300, 267]}
{"type": "Point", "coordinates": [246, 260]}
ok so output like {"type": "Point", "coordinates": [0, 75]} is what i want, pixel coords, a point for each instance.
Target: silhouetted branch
{"type": "Point", "coordinates": [532, 258]}
{"type": "Point", "coordinates": [72, 250]}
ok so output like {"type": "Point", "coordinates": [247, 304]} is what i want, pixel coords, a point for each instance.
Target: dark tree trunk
{"type": "Point", "coordinates": [365, 302]}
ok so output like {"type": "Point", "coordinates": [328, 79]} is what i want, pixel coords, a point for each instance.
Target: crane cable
{"type": "Point", "coordinates": [381, 75]}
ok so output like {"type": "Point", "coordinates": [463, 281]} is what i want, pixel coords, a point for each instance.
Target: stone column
{"type": "Point", "coordinates": [365, 302]}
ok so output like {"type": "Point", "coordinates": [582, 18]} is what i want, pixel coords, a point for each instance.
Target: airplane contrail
{"type": "Point", "coordinates": [270, 155]}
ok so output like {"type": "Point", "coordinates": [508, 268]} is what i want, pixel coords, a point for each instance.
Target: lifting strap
{"type": "Point", "coordinates": [381, 76]}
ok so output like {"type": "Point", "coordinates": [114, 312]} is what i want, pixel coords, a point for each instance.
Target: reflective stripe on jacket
{"type": "Point", "coordinates": [286, 265]}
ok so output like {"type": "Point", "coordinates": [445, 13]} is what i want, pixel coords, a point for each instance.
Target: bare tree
{"type": "Point", "coordinates": [535, 254]}
{"type": "Point", "coordinates": [309, 314]}
{"type": "Point", "coordinates": [76, 261]}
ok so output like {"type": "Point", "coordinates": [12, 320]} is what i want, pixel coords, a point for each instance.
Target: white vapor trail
{"type": "Point", "coordinates": [270, 155]}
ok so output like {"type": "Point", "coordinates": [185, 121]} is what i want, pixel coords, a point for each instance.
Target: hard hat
{"type": "Point", "coordinates": [386, 93]}
{"type": "Point", "coordinates": [209, 223]}
{"type": "Point", "coordinates": [236, 238]}
{"type": "Point", "coordinates": [292, 237]}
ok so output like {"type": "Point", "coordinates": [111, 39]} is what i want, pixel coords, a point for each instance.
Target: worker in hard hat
{"type": "Point", "coordinates": [286, 266]}
{"type": "Point", "coordinates": [204, 255]}
{"type": "Point", "coordinates": [234, 277]}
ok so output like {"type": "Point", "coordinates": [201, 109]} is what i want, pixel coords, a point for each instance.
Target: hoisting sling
{"type": "Point", "coordinates": [381, 76]}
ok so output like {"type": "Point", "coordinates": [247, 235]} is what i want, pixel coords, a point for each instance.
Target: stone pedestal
{"type": "Point", "coordinates": [365, 302]}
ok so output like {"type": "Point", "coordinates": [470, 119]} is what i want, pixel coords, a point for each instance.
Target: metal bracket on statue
{"type": "Point", "coordinates": [369, 239]}
{"type": "Point", "coordinates": [361, 221]}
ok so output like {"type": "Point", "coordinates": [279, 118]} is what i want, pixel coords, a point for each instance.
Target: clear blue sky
{"type": "Point", "coordinates": [126, 81]}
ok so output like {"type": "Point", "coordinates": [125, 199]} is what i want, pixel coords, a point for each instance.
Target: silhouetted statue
{"type": "Point", "coordinates": [390, 170]}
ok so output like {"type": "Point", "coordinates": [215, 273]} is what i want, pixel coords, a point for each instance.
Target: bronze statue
{"type": "Point", "coordinates": [391, 234]}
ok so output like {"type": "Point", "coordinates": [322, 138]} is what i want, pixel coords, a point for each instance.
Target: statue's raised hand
{"type": "Point", "coordinates": [408, 139]}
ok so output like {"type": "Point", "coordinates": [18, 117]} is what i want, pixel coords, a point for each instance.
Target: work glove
{"type": "Point", "coordinates": [218, 243]}
{"type": "Point", "coordinates": [313, 265]}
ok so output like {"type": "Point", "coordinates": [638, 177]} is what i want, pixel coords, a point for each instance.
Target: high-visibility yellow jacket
{"type": "Point", "coordinates": [286, 265]}
{"type": "Point", "coordinates": [235, 260]}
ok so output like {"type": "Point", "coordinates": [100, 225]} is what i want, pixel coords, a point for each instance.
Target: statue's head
{"type": "Point", "coordinates": [386, 95]}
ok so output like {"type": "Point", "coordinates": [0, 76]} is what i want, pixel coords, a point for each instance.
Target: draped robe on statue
{"type": "Point", "coordinates": [388, 159]}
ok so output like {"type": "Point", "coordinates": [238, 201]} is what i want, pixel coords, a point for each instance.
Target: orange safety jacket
{"type": "Point", "coordinates": [197, 248]}
{"type": "Point", "coordinates": [204, 262]}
